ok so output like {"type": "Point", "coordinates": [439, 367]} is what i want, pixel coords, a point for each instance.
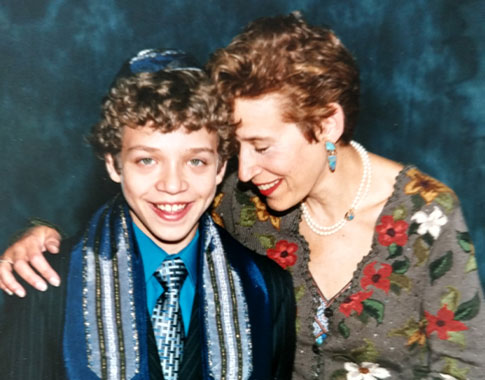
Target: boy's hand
{"type": "Point", "coordinates": [24, 256]}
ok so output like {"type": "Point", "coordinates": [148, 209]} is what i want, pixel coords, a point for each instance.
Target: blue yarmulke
{"type": "Point", "coordinates": [153, 60]}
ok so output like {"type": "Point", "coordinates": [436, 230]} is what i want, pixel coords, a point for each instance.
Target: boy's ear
{"type": "Point", "coordinates": [110, 163]}
{"type": "Point", "coordinates": [332, 127]}
{"type": "Point", "coordinates": [221, 172]}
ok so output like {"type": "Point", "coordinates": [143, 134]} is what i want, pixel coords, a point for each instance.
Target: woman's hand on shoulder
{"type": "Point", "coordinates": [26, 257]}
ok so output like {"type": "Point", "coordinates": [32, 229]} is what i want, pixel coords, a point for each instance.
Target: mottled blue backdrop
{"type": "Point", "coordinates": [423, 72]}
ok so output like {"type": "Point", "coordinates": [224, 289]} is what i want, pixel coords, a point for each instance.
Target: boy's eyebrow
{"type": "Point", "coordinates": [201, 150]}
{"type": "Point", "coordinates": [154, 150]}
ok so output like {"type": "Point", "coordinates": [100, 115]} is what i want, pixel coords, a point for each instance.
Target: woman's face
{"type": "Point", "coordinates": [274, 155]}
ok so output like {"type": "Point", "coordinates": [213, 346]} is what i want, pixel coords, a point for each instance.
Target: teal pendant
{"type": "Point", "coordinates": [320, 339]}
{"type": "Point", "coordinates": [349, 215]}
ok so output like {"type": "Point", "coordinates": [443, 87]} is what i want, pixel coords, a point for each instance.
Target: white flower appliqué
{"type": "Point", "coordinates": [365, 371]}
{"type": "Point", "coordinates": [431, 223]}
{"type": "Point", "coordinates": [447, 377]}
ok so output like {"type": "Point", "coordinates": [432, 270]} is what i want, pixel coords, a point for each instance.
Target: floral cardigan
{"type": "Point", "coordinates": [413, 309]}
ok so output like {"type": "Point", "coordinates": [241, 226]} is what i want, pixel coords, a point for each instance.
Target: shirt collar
{"type": "Point", "coordinates": [152, 255]}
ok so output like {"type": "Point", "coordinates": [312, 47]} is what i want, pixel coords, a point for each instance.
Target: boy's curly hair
{"type": "Point", "coordinates": [169, 99]}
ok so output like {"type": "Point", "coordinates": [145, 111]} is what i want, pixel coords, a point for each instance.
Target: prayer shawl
{"type": "Point", "coordinates": [105, 331]}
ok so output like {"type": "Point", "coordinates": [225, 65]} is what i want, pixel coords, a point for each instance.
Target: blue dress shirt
{"type": "Point", "coordinates": [153, 256]}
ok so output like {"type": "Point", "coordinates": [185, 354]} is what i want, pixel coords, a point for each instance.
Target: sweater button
{"type": "Point", "coordinates": [315, 349]}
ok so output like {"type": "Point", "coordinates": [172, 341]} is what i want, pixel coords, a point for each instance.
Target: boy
{"type": "Point", "coordinates": [165, 137]}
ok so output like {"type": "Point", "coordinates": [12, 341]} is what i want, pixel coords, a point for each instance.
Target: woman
{"type": "Point", "coordinates": [382, 263]}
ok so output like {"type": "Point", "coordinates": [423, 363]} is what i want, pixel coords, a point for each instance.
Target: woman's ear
{"type": "Point", "coordinates": [332, 127]}
{"type": "Point", "coordinates": [111, 168]}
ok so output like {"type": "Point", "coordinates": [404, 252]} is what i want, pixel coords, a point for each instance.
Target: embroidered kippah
{"type": "Point", "coordinates": [153, 60]}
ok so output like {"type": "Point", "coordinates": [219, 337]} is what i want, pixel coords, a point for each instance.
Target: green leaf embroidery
{"type": "Point", "coordinates": [399, 213]}
{"type": "Point", "coordinates": [440, 266]}
{"type": "Point", "coordinates": [400, 266]}
{"type": "Point", "coordinates": [421, 373]}
{"type": "Point", "coordinates": [468, 310]}
{"type": "Point", "coordinates": [343, 329]}
{"type": "Point", "coordinates": [375, 309]}
{"type": "Point", "coordinates": [363, 317]}
{"type": "Point", "coordinates": [400, 280]}
{"type": "Point", "coordinates": [451, 298]}
{"type": "Point", "coordinates": [457, 337]}
{"type": "Point", "coordinates": [340, 357]}
{"type": "Point", "coordinates": [451, 367]}
{"type": "Point", "coordinates": [299, 292]}
{"type": "Point", "coordinates": [471, 264]}
{"type": "Point", "coordinates": [396, 289]}
{"type": "Point", "coordinates": [421, 251]}
{"type": "Point", "coordinates": [413, 228]}
{"type": "Point", "coordinates": [407, 330]}
{"type": "Point", "coordinates": [267, 241]}
{"type": "Point", "coordinates": [394, 250]}
{"type": "Point", "coordinates": [242, 198]}
{"type": "Point", "coordinates": [428, 239]}
{"type": "Point", "coordinates": [446, 200]}
{"type": "Point", "coordinates": [418, 202]}
{"type": "Point", "coordinates": [248, 216]}
{"type": "Point", "coordinates": [340, 374]}
{"type": "Point", "coordinates": [366, 353]}
{"type": "Point", "coordinates": [465, 241]}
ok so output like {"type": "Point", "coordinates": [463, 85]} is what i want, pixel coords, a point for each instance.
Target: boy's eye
{"type": "Point", "coordinates": [145, 161]}
{"type": "Point", "coordinates": [196, 162]}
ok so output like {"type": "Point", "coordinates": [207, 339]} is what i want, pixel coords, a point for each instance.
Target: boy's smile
{"type": "Point", "coordinates": [168, 179]}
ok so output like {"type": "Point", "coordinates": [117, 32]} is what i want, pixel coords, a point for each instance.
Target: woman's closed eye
{"type": "Point", "coordinates": [261, 149]}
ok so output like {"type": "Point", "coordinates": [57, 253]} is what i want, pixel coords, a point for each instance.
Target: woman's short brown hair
{"type": "Point", "coordinates": [308, 65]}
{"type": "Point", "coordinates": [168, 99]}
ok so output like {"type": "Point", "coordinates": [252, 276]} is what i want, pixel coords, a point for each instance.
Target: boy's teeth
{"type": "Point", "coordinates": [171, 208]}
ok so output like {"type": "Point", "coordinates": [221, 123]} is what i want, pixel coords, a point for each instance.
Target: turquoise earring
{"type": "Point", "coordinates": [331, 155]}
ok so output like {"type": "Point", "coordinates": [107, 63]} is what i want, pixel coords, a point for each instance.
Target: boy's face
{"type": "Point", "coordinates": [168, 180]}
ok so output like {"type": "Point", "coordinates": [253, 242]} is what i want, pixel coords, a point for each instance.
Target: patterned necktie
{"type": "Point", "coordinates": [167, 318]}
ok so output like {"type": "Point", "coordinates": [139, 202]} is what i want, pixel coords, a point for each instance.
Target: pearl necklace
{"type": "Point", "coordinates": [350, 214]}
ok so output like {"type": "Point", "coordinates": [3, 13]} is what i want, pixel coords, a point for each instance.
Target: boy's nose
{"type": "Point", "coordinates": [172, 181]}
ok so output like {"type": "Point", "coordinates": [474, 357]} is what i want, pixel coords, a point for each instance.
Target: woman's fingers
{"type": "Point", "coordinates": [24, 256]}
{"type": "Point", "coordinates": [8, 283]}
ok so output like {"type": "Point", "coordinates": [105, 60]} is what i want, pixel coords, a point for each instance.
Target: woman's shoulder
{"type": "Point", "coordinates": [397, 180]}
{"type": "Point", "coordinates": [423, 189]}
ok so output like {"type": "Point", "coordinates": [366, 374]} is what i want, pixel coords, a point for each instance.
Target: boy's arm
{"type": "Point", "coordinates": [283, 310]}
{"type": "Point", "coordinates": [26, 257]}
{"type": "Point", "coordinates": [284, 330]}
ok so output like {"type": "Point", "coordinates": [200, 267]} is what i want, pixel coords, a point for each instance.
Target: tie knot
{"type": "Point", "coordinates": [171, 273]}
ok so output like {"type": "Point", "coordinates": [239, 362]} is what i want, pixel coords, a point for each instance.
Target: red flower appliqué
{"type": "Point", "coordinates": [391, 231]}
{"type": "Point", "coordinates": [354, 302]}
{"type": "Point", "coordinates": [380, 278]}
{"type": "Point", "coordinates": [283, 253]}
{"type": "Point", "coordinates": [443, 322]}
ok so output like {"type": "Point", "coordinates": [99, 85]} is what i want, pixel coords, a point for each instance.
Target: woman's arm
{"type": "Point", "coordinates": [453, 299]}
{"type": "Point", "coordinates": [26, 257]}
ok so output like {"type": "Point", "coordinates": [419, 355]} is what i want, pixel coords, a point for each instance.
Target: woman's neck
{"type": "Point", "coordinates": [333, 194]}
